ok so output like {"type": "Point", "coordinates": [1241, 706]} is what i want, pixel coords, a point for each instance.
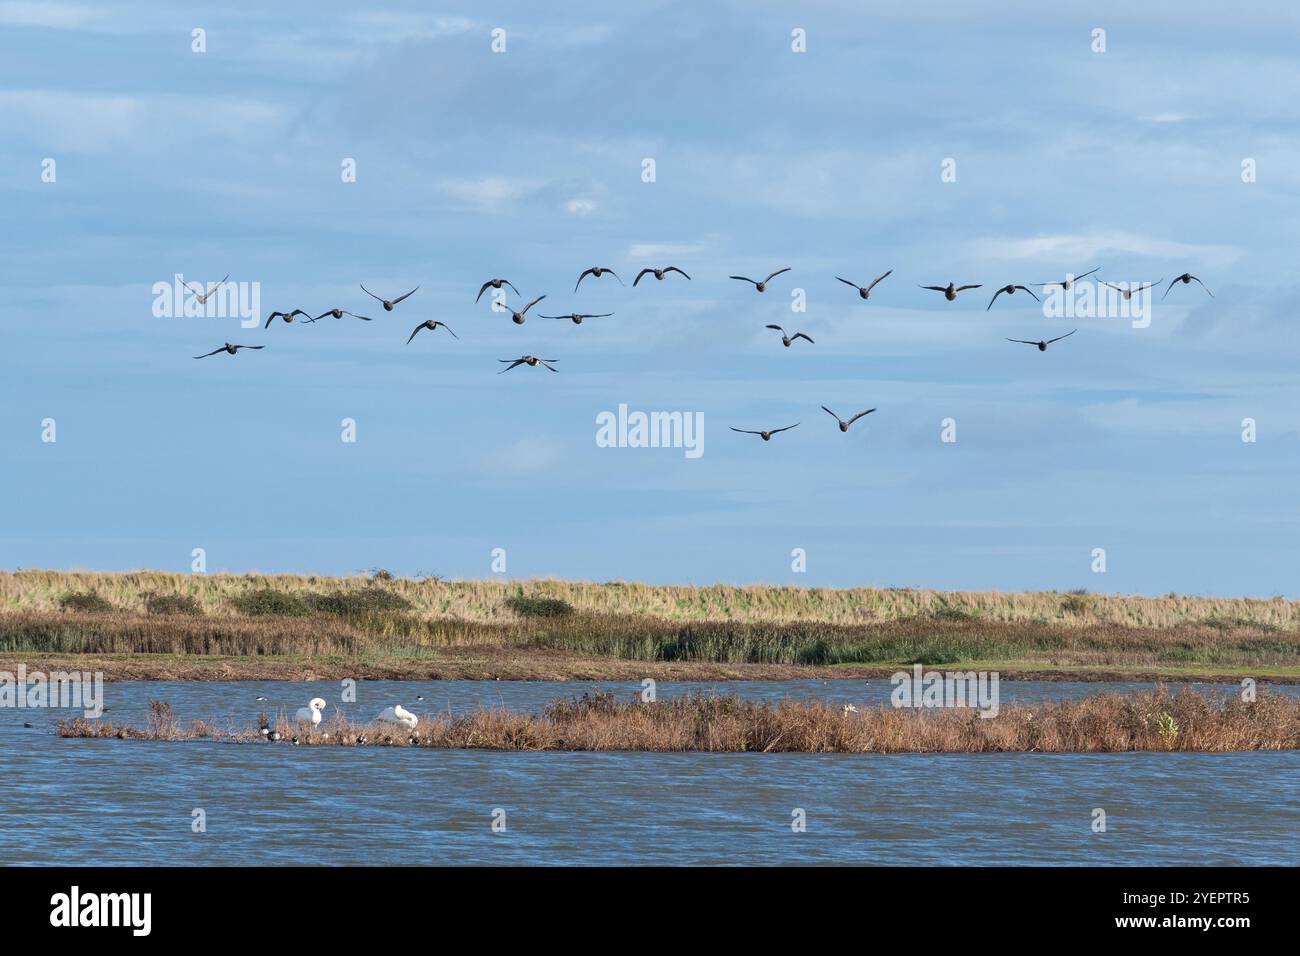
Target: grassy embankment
{"type": "Point", "coordinates": [158, 625]}
{"type": "Point", "coordinates": [1104, 723]}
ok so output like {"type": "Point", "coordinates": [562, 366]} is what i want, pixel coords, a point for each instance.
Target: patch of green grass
{"type": "Point", "coordinates": [536, 606]}
{"type": "Point", "coordinates": [172, 604]}
{"type": "Point", "coordinates": [88, 602]}
{"type": "Point", "coordinates": [270, 601]}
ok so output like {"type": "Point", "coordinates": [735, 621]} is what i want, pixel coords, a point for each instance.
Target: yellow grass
{"type": "Point", "coordinates": [484, 601]}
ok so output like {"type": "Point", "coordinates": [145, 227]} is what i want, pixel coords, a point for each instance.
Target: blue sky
{"type": "Point", "coordinates": [527, 164]}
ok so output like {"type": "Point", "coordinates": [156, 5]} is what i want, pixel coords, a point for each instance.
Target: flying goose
{"type": "Point", "coordinates": [766, 436]}
{"type": "Point", "coordinates": [951, 289]}
{"type": "Point", "coordinates": [761, 286]}
{"type": "Point", "coordinates": [232, 349]}
{"type": "Point", "coordinates": [529, 360]}
{"type": "Point", "coordinates": [1069, 280]}
{"type": "Point", "coordinates": [1010, 290]}
{"type": "Point", "coordinates": [339, 313]}
{"type": "Point", "coordinates": [864, 291]}
{"type": "Point", "coordinates": [496, 284]}
{"type": "Point", "coordinates": [657, 273]}
{"type": "Point", "coordinates": [1128, 293]}
{"type": "Point", "coordinates": [596, 272]}
{"type": "Point", "coordinates": [787, 339]}
{"type": "Point", "coordinates": [1186, 279]}
{"type": "Point", "coordinates": [1042, 346]}
{"type": "Point", "coordinates": [202, 297]}
{"type": "Point", "coordinates": [844, 426]}
{"type": "Point", "coordinates": [431, 325]}
{"type": "Point", "coordinates": [518, 317]}
{"type": "Point", "coordinates": [388, 303]}
{"type": "Point", "coordinates": [577, 317]}
{"type": "Point", "coordinates": [287, 316]}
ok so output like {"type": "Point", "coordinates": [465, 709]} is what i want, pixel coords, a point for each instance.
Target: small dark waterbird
{"type": "Point", "coordinates": [1068, 281]}
{"type": "Point", "coordinates": [287, 316]}
{"type": "Point", "coordinates": [596, 272]}
{"type": "Point", "coordinates": [518, 317]}
{"type": "Point", "coordinates": [766, 436]}
{"type": "Point", "coordinates": [389, 303]}
{"type": "Point", "coordinates": [1186, 279]}
{"type": "Point", "coordinates": [1128, 293]}
{"type": "Point", "coordinates": [530, 360]}
{"type": "Point", "coordinates": [202, 297]}
{"type": "Point", "coordinates": [951, 289]}
{"type": "Point", "coordinates": [494, 284]}
{"type": "Point", "coordinates": [761, 286]}
{"type": "Point", "coordinates": [1010, 290]}
{"type": "Point", "coordinates": [844, 425]}
{"type": "Point", "coordinates": [577, 317]}
{"type": "Point", "coordinates": [657, 273]}
{"type": "Point", "coordinates": [431, 325]}
{"type": "Point", "coordinates": [230, 349]}
{"type": "Point", "coordinates": [1043, 344]}
{"type": "Point", "coordinates": [339, 313]}
{"type": "Point", "coordinates": [787, 339]}
{"type": "Point", "coordinates": [864, 291]}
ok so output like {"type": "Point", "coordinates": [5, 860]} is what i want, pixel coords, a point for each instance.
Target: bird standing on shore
{"type": "Point", "coordinates": [310, 713]}
{"type": "Point", "coordinates": [398, 714]}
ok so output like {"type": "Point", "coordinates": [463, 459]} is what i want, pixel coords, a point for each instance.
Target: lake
{"type": "Point", "coordinates": [88, 802]}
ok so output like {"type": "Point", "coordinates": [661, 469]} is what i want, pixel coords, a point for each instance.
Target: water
{"type": "Point", "coordinates": [120, 802]}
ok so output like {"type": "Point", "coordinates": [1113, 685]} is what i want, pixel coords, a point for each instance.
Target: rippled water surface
{"type": "Point", "coordinates": [109, 801]}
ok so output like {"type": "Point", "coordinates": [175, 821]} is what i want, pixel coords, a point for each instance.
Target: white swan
{"type": "Point", "coordinates": [398, 715]}
{"type": "Point", "coordinates": [311, 713]}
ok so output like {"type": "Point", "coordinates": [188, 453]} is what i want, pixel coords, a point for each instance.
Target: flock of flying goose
{"type": "Point", "coordinates": [519, 316]}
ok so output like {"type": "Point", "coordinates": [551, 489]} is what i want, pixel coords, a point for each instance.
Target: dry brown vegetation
{"type": "Point", "coordinates": [419, 627]}
{"type": "Point", "coordinates": [1104, 723]}
{"type": "Point", "coordinates": [487, 601]}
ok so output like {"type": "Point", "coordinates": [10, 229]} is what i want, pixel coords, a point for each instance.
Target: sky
{"type": "Point", "coordinates": [528, 163]}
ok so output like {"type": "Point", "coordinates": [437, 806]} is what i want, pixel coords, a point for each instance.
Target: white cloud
{"type": "Point", "coordinates": [489, 192]}
{"type": "Point", "coordinates": [1088, 247]}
